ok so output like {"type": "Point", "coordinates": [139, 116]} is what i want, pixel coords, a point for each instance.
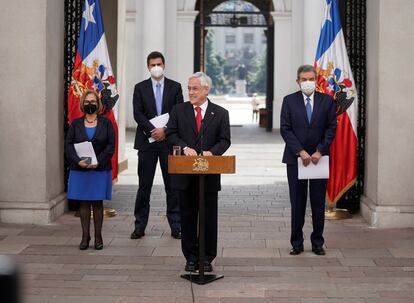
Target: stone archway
{"type": "Point", "coordinates": [262, 19]}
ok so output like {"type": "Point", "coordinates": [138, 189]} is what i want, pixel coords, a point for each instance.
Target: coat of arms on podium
{"type": "Point", "coordinates": [200, 164]}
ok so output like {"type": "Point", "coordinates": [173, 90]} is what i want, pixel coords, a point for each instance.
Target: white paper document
{"type": "Point", "coordinates": [159, 122]}
{"type": "Point", "coordinates": [85, 149]}
{"type": "Point", "coordinates": [312, 171]}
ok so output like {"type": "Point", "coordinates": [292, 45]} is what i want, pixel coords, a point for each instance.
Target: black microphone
{"type": "Point", "coordinates": [201, 137]}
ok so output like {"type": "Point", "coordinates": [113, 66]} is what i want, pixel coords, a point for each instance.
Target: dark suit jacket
{"type": "Point", "coordinates": [103, 143]}
{"type": "Point", "coordinates": [214, 136]}
{"type": "Point", "coordinates": [145, 109]}
{"type": "Point", "coordinates": [299, 134]}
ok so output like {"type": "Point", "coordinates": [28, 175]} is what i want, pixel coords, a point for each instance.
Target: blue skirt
{"type": "Point", "coordinates": [90, 185]}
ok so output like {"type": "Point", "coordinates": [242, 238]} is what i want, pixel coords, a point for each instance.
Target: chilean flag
{"type": "Point", "coordinates": [335, 78]}
{"type": "Point", "coordinates": [92, 70]}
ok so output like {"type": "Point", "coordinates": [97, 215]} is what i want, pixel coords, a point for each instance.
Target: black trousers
{"type": "Point", "coordinates": [189, 223]}
{"type": "Point", "coordinates": [147, 164]}
{"type": "Point", "coordinates": [298, 192]}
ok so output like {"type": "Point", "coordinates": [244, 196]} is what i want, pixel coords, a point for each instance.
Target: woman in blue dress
{"type": "Point", "coordinates": [90, 184]}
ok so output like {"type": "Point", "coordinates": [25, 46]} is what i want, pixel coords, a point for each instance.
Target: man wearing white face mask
{"type": "Point", "coordinates": [307, 125]}
{"type": "Point", "coordinates": [153, 97]}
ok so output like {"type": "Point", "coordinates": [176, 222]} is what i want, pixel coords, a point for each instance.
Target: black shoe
{"type": "Point", "coordinates": [318, 250]}
{"type": "Point", "coordinates": [296, 251]}
{"type": "Point", "coordinates": [98, 245]}
{"type": "Point", "coordinates": [176, 234]}
{"type": "Point", "coordinates": [208, 267]}
{"type": "Point", "coordinates": [137, 234]}
{"type": "Point", "coordinates": [191, 266]}
{"type": "Point", "coordinates": [84, 244]}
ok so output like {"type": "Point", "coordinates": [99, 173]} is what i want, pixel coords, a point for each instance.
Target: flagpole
{"type": "Point", "coordinates": [334, 77]}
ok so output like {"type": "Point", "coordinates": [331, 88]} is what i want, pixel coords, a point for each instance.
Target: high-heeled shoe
{"type": "Point", "coordinates": [84, 244]}
{"type": "Point", "coordinates": [98, 245]}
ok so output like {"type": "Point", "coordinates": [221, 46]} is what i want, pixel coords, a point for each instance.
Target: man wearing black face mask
{"type": "Point", "coordinates": [154, 97]}
{"type": "Point", "coordinates": [308, 125]}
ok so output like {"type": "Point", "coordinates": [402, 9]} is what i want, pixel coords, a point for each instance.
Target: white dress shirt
{"type": "Point", "coordinates": [154, 86]}
{"type": "Point", "coordinates": [203, 109]}
{"type": "Point", "coordinates": [311, 99]}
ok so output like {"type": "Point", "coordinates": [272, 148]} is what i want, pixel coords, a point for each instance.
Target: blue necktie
{"type": "Point", "coordinates": [308, 109]}
{"type": "Point", "coordinates": [158, 99]}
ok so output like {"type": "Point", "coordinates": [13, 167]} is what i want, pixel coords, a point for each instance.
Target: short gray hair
{"type": "Point", "coordinates": [204, 79]}
{"type": "Point", "coordinates": [306, 68]}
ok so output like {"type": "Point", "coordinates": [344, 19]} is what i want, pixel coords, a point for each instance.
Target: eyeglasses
{"type": "Point", "coordinates": [90, 102]}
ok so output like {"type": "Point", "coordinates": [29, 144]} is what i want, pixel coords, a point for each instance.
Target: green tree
{"type": "Point", "coordinates": [214, 64]}
{"type": "Point", "coordinates": [257, 75]}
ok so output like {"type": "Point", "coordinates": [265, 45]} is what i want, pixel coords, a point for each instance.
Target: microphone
{"type": "Point", "coordinates": [201, 137]}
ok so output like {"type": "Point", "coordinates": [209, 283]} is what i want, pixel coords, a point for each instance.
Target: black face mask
{"type": "Point", "coordinates": [90, 108]}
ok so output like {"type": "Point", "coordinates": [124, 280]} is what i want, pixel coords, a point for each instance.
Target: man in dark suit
{"type": "Point", "coordinates": [198, 127]}
{"type": "Point", "coordinates": [308, 125]}
{"type": "Point", "coordinates": [153, 97]}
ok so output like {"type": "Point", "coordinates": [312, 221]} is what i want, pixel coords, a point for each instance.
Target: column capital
{"type": "Point", "coordinates": [281, 15]}
{"type": "Point", "coordinates": [186, 16]}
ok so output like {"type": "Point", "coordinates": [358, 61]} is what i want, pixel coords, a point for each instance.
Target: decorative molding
{"type": "Point", "coordinates": [281, 15]}
{"type": "Point", "coordinates": [186, 16]}
{"type": "Point", "coordinates": [186, 5]}
{"type": "Point", "coordinates": [33, 204]}
{"type": "Point", "coordinates": [33, 212]}
{"type": "Point", "coordinates": [130, 15]}
{"type": "Point", "coordinates": [387, 216]}
{"type": "Point", "coordinates": [283, 6]}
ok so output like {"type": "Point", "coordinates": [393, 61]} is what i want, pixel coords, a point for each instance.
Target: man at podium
{"type": "Point", "coordinates": [199, 127]}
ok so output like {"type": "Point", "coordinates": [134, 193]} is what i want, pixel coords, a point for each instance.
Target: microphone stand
{"type": "Point", "coordinates": [201, 278]}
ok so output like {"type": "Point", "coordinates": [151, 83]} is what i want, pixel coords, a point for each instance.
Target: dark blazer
{"type": "Point", "coordinates": [299, 134]}
{"type": "Point", "coordinates": [145, 109]}
{"type": "Point", "coordinates": [103, 143]}
{"type": "Point", "coordinates": [214, 136]}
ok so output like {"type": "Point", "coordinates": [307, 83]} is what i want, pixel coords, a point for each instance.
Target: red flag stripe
{"type": "Point", "coordinates": [342, 172]}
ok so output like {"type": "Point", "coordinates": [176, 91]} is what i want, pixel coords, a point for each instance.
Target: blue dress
{"type": "Point", "coordinates": [90, 185]}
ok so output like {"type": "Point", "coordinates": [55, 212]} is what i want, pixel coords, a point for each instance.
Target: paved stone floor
{"type": "Point", "coordinates": [362, 265]}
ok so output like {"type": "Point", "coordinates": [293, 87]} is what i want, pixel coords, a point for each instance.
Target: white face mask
{"type": "Point", "coordinates": [157, 71]}
{"type": "Point", "coordinates": [307, 87]}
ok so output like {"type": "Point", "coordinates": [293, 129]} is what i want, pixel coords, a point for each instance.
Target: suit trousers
{"type": "Point", "coordinates": [147, 164]}
{"type": "Point", "coordinates": [189, 223]}
{"type": "Point", "coordinates": [298, 192]}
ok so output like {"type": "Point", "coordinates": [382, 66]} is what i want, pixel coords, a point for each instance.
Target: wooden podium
{"type": "Point", "coordinates": [201, 166]}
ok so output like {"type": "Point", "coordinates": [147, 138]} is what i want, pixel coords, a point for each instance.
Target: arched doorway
{"type": "Point", "coordinates": [210, 16]}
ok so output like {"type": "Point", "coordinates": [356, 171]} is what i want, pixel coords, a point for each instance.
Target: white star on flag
{"type": "Point", "coordinates": [328, 12]}
{"type": "Point", "coordinates": [88, 14]}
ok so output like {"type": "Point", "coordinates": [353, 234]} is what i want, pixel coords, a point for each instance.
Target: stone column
{"type": "Point", "coordinates": [296, 34]}
{"type": "Point", "coordinates": [135, 66]}
{"type": "Point", "coordinates": [121, 64]}
{"type": "Point", "coordinates": [153, 29]}
{"type": "Point", "coordinates": [31, 99]}
{"type": "Point", "coordinates": [171, 40]}
{"type": "Point", "coordinates": [388, 199]}
{"type": "Point", "coordinates": [313, 11]}
{"type": "Point", "coordinates": [284, 79]}
{"type": "Point", "coordinates": [185, 47]}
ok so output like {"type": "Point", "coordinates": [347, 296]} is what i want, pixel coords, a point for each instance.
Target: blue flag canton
{"type": "Point", "coordinates": [91, 29]}
{"type": "Point", "coordinates": [330, 28]}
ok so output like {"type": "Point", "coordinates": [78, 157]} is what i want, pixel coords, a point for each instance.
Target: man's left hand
{"type": "Point", "coordinates": [158, 134]}
{"type": "Point", "coordinates": [207, 153]}
{"type": "Point", "coordinates": [315, 157]}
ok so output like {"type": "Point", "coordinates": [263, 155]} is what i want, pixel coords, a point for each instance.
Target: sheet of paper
{"type": "Point", "coordinates": [159, 122]}
{"type": "Point", "coordinates": [85, 149]}
{"type": "Point", "coordinates": [312, 171]}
